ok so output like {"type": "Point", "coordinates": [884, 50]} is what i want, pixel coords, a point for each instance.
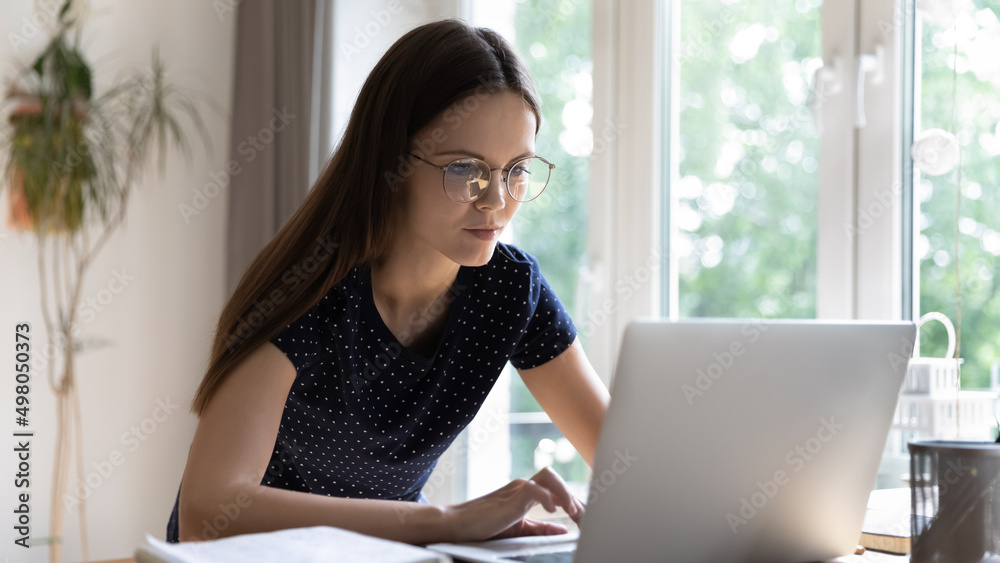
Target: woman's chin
{"type": "Point", "coordinates": [478, 256]}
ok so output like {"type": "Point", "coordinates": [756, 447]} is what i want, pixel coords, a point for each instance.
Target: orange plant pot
{"type": "Point", "coordinates": [19, 218]}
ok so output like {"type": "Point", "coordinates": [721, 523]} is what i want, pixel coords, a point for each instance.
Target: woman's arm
{"type": "Point", "coordinates": [221, 494]}
{"type": "Point", "coordinates": [574, 397]}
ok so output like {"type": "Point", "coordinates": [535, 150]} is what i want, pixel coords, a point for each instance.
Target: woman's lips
{"type": "Point", "coordinates": [484, 234]}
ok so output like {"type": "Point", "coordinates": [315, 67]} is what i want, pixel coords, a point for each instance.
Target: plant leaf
{"type": "Point", "coordinates": [63, 10]}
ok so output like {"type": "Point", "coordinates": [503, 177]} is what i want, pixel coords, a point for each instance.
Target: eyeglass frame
{"type": "Point", "coordinates": [505, 173]}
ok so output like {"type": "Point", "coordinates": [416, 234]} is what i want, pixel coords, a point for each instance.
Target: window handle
{"type": "Point", "coordinates": [826, 82]}
{"type": "Point", "coordinates": [868, 64]}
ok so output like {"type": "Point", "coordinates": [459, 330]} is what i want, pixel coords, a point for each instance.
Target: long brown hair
{"type": "Point", "coordinates": [346, 218]}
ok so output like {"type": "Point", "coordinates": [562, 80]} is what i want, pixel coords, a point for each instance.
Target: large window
{"type": "Point", "coordinates": [744, 214]}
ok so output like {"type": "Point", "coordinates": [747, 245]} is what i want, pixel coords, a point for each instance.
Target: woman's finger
{"type": "Point", "coordinates": [580, 509]}
{"type": "Point", "coordinates": [529, 527]}
{"type": "Point", "coordinates": [576, 514]}
{"type": "Point", "coordinates": [538, 528]}
{"type": "Point", "coordinates": [543, 495]}
{"type": "Point", "coordinates": [551, 480]}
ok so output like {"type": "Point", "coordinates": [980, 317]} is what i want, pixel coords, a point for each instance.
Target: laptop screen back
{"type": "Point", "coordinates": [733, 440]}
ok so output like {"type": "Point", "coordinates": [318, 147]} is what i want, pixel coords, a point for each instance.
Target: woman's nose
{"type": "Point", "coordinates": [496, 193]}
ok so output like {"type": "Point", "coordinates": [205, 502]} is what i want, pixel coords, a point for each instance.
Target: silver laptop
{"type": "Point", "coordinates": [733, 440]}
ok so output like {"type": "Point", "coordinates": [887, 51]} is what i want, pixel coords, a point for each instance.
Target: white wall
{"type": "Point", "coordinates": [160, 325]}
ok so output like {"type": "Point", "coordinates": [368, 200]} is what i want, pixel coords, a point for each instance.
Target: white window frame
{"type": "Point", "coordinates": [878, 251]}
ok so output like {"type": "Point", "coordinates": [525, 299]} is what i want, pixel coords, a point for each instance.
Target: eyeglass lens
{"type": "Point", "coordinates": [465, 180]}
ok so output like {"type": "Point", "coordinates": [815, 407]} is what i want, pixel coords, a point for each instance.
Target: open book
{"type": "Point", "coordinates": [317, 544]}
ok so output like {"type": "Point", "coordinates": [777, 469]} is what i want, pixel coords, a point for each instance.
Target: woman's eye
{"type": "Point", "coordinates": [466, 169]}
{"type": "Point", "coordinates": [519, 171]}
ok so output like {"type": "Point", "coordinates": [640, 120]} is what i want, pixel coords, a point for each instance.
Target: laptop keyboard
{"type": "Point", "coordinates": [565, 556]}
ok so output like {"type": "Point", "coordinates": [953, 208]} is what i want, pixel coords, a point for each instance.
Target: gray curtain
{"type": "Point", "coordinates": [279, 132]}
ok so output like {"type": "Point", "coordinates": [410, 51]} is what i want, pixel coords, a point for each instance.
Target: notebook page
{"type": "Point", "coordinates": [317, 544]}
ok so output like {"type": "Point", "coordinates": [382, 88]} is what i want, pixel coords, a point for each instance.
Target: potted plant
{"type": "Point", "coordinates": [72, 159]}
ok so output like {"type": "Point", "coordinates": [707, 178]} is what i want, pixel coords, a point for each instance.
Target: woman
{"type": "Point", "coordinates": [367, 334]}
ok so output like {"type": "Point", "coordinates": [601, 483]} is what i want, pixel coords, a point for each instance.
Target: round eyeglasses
{"type": "Point", "coordinates": [467, 179]}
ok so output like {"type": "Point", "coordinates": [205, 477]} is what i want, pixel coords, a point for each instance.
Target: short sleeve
{"type": "Point", "coordinates": [301, 339]}
{"type": "Point", "coordinates": [550, 330]}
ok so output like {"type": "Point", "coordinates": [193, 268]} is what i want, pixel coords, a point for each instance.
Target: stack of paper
{"type": "Point", "coordinates": [317, 544]}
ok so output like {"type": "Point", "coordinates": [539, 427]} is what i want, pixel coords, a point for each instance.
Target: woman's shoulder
{"type": "Point", "coordinates": [324, 317]}
{"type": "Point", "coordinates": [344, 294]}
{"type": "Point", "coordinates": [347, 291]}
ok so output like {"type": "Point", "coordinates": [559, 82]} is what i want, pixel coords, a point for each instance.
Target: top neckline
{"type": "Point", "coordinates": [458, 289]}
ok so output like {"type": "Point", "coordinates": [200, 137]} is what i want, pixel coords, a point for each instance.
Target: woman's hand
{"type": "Point", "coordinates": [500, 514]}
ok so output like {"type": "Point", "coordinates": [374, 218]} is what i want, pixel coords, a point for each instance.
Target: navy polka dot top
{"type": "Point", "coordinates": [367, 417]}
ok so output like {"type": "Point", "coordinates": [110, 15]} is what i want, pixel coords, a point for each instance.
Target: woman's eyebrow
{"type": "Point", "coordinates": [525, 154]}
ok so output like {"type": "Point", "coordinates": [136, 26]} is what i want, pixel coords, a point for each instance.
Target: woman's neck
{"type": "Point", "coordinates": [407, 280]}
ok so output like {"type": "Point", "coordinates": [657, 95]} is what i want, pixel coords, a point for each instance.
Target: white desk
{"type": "Point", "coordinates": [873, 557]}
